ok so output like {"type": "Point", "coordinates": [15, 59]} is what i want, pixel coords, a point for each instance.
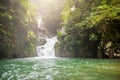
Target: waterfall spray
{"type": "Point", "coordinates": [46, 50]}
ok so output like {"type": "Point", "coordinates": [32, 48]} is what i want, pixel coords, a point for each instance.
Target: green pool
{"type": "Point", "coordinates": [59, 69]}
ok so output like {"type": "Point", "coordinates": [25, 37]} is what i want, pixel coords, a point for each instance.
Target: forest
{"type": "Point", "coordinates": [84, 28]}
{"type": "Point", "coordinates": [91, 29]}
{"type": "Point", "coordinates": [17, 32]}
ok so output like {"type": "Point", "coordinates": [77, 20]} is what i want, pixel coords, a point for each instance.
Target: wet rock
{"type": "Point", "coordinates": [112, 50]}
{"type": "Point", "coordinates": [41, 41]}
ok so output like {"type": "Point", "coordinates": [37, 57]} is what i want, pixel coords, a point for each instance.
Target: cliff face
{"type": "Point", "coordinates": [89, 26]}
{"type": "Point", "coordinates": [24, 41]}
{"type": "Point", "coordinates": [17, 30]}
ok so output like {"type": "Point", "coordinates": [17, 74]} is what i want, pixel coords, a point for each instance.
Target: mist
{"type": "Point", "coordinates": [50, 13]}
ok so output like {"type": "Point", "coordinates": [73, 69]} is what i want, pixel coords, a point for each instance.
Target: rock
{"type": "Point", "coordinates": [112, 50]}
{"type": "Point", "coordinates": [109, 44]}
{"type": "Point", "coordinates": [62, 51]}
{"type": "Point", "coordinates": [41, 41]}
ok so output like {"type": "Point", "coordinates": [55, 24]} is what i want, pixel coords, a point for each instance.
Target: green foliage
{"type": "Point", "coordinates": [90, 22]}
{"type": "Point", "coordinates": [15, 20]}
{"type": "Point", "coordinates": [93, 37]}
{"type": "Point", "coordinates": [4, 33]}
{"type": "Point", "coordinates": [30, 44]}
{"type": "Point", "coordinates": [60, 35]}
{"type": "Point", "coordinates": [5, 43]}
{"type": "Point", "coordinates": [31, 36]}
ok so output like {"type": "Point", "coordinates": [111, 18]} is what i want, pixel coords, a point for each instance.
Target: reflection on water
{"type": "Point", "coordinates": [59, 69]}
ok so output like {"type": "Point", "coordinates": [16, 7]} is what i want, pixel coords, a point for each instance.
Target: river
{"type": "Point", "coordinates": [59, 69]}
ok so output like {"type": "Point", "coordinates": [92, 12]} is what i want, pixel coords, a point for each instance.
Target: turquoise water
{"type": "Point", "coordinates": [59, 69]}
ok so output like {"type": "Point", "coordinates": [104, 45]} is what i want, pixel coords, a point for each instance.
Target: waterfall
{"type": "Point", "coordinates": [47, 50]}
{"type": "Point", "coordinates": [39, 22]}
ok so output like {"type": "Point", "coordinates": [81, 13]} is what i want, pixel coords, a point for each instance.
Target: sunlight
{"type": "Point", "coordinates": [42, 1]}
{"type": "Point", "coordinates": [42, 7]}
{"type": "Point", "coordinates": [73, 8]}
{"type": "Point", "coordinates": [49, 1]}
{"type": "Point", "coordinates": [59, 40]}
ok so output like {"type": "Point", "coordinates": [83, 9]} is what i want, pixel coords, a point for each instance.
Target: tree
{"type": "Point", "coordinates": [90, 23]}
{"type": "Point", "coordinates": [15, 21]}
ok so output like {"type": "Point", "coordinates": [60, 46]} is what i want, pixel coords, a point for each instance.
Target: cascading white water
{"type": "Point", "coordinates": [39, 20]}
{"type": "Point", "coordinates": [47, 50]}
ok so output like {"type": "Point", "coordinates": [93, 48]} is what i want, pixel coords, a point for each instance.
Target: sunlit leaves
{"type": "Point", "coordinates": [93, 37]}
{"type": "Point", "coordinates": [89, 21]}
{"type": "Point", "coordinates": [66, 13]}
{"type": "Point", "coordinates": [30, 42]}
{"type": "Point", "coordinates": [31, 35]}
{"type": "Point", "coordinates": [15, 22]}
